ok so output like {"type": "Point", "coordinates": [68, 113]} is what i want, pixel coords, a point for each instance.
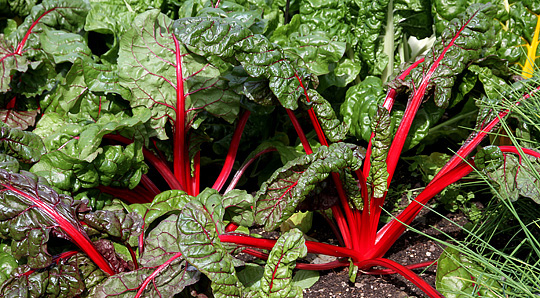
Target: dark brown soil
{"type": "Point", "coordinates": [411, 248]}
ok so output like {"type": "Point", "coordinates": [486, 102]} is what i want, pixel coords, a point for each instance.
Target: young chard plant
{"type": "Point", "coordinates": [165, 81]}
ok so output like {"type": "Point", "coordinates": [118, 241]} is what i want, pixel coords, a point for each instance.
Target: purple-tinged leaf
{"type": "Point", "coordinates": [32, 211]}
{"type": "Point", "coordinates": [334, 129]}
{"type": "Point", "coordinates": [511, 175]}
{"type": "Point", "coordinates": [120, 226]}
{"type": "Point", "coordinates": [18, 119]}
{"type": "Point", "coordinates": [378, 173]}
{"type": "Point", "coordinates": [66, 278]}
{"type": "Point", "coordinates": [165, 280]}
{"type": "Point", "coordinates": [288, 186]}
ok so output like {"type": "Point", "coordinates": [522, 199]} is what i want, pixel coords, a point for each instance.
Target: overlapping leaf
{"type": "Point", "coordinates": [228, 39]}
{"type": "Point", "coordinates": [116, 166]}
{"type": "Point", "coordinates": [121, 226]}
{"type": "Point", "coordinates": [279, 196]}
{"type": "Point", "coordinates": [463, 41]}
{"type": "Point", "coordinates": [30, 212]}
{"type": "Point", "coordinates": [66, 278]}
{"type": "Point", "coordinates": [152, 58]}
{"type": "Point", "coordinates": [277, 278]}
{"type": "Point", "coordinates": [334, 129]}
{"type": "Point", "coordinates": [198, 225]}
{"type": "Point", "coordinates": [166, 280]}
{"type": "Point", "coordinates": [459, 276]}
{"type": "Point", "coordinates": [378, 173]}
{"type": "Point", "coordinates": [512, 176]}
{"type": "Point", "coordinates": [22, 49]}
{"type": "Point", "coordinates": [23, 145]}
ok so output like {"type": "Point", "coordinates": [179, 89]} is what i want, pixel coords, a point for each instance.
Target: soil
{"type": "Point", "coordinates": [411, 248]}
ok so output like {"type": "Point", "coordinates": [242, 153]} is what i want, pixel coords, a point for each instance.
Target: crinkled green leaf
{"type": "Point", "coordinates": [115, 166]}
{"type": "Point", "coordinates": [361, 102]}
{"type": "Point", "coordinates": [493, 85]}
{"type": "Point", "coordinates": [489, 158]}
{"type": "Point", "coordinates": [227, 39]}
{"type": "Point", "coordinates": [458, 276]}
{"type": "Point", "coordinates": [150, 54]}
{"type": "Point", "coordinates": [161, 281]}
{"type": "Point", "coordinates": [238, 206]}
{"type": "Point", "coordinates": [314, 50]}
{"type": "Point", "coordinates": [277, 278]}
{"type": "Point", "coordinates": [9, 163]}
{"type": "Point", "coordinates": [17, 7]}
{"type": "Point", "coordinates": [516, 177]}
{"type": "Point", "coordinates": [8, 264]}
{"type": "Point", "coordinates": [463, 41]}
{"type": "Point", "coordinates": [200, 245]}
{"type": "Point", "coordinates": [23, 145]}
{"type": "Point", "coordinates": [164, 203]}
{"type": "Point", "coordinates": [378, 173]}
{"type": "Point", "coordinates": [334, 129]}
{"type": "Point", "coordinates": [82, 140]}
{"type": "Point", "coordinates": [288, 186]}
{"type": "Point", "coordinates": [120, 226]}
{"type": "Point", "coordinates": [64, 46]}
{"type": "Point", "coordinates": [80, 96]}
{"type": "Point", "coordinates": [22, 50]}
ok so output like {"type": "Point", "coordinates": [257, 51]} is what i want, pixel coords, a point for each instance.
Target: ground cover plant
{"type": "Point", "coordinates": [103, 188]}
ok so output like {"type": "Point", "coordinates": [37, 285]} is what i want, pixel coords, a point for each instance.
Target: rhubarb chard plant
{"type": "Point", "coordinates": [123, 122]}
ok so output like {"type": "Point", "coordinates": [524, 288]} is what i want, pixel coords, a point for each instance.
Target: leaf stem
{"type": "Point", "coordinates": [403, 271]}
{"type": "Point", "coordinates": [233, 149]}
{"type": "Point", "coordinates": [181, 156]}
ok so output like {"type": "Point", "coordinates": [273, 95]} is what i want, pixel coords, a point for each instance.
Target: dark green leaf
{"type": "Point", "coordinates": [278, 197]}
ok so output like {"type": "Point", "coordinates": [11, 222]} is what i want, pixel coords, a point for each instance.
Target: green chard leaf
{"type": "Point", "coordinates": [153, 35]}
{"type": "Point", "coordinates": [278, 197]}
{"type": "Point", "coordinates": [334, 129]}
{"type": "Point", "coordinates": [165, 280]}
{"type": "Point", "coordinates": [314, 50]}
{"type": "Point", "coordinates": [25, 146]}
{"type": "Point", "coordinates": [361, 102]}
{"type": "Point", "coordinates": [116, 166]}
{"type": "Point", "coordinates": [511, 175]}
{"type": "Point", "coordinates": [199, 225]}
{"type": "Point", "coordinates": [238, 206]}
{"type": "Point", "coordinates": [22, 49]}
{"type": "Point", "coordinates": [459, 276]}
{"type": "Point", "coordinates": [67, 278]}
{"type": "Point", "coordinates": [464, 41]}
{"type": "Point", "coordinates": [226, 38]}
{"type": "Point", "coordinates": [378, 173]}
{"type": "Point", "coordinates": [277, 279]}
